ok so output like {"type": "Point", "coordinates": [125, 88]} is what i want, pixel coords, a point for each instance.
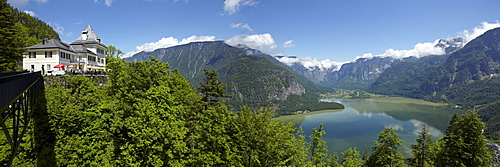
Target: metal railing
{"type": "Point", "coordinates": [19, 92]}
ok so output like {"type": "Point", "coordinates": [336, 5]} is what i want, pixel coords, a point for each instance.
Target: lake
{"type": "Point", "coordinates": [360, 123]}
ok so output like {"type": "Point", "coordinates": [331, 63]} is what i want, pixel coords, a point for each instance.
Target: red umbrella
{"type": "Point", "coordinates": [60, 66]}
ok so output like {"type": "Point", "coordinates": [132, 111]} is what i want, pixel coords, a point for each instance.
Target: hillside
{"type": "Point", "coordinates": [252, 79]}
{"type": "Point", "coordinates": [467, 79]}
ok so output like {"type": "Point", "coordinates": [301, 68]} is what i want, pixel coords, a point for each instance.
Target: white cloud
{"type": "Point", "coordinates": [312, 63]}
{"type": "Point", "coordinates": [23, 2]}
{"type": "Point", "coordinates": [233, 6]}
{"type": "Point", "coordinates": [241, 25]}
{"type": "Point", "coordinates": [419, 50]}
{"type": "Point", "coordinates": [288, 44]}
{"type": "Point", "coordinates": [263, 42]}
{"type": "Point", "coordinates": [167, 42]}
{"type": "Point", "coordinates": [106, 2]}
{"type": "Point", "coordinates": [60, 29]}
{"type": "Point", "coordinates": [426, 49]}
{"type": "Point", "coordinates": [31, 13]}
{"type": "Point", "coordinates": [478, 30]}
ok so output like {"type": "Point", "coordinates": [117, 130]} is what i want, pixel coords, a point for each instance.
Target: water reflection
{"type": "Point", "coordinates": [360, 123]}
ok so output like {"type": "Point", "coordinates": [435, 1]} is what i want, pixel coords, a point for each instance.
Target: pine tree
{"type": "Point", "coordinates": [212, 89]}
{"type": "Point", "coordinates": [385, 152]}
{"type": "Point", "coordinates": [464, 143]}
{"type": "Point", "coordinates": [421, 151]}
{"type": "Point", "coordinates": [318, 147]}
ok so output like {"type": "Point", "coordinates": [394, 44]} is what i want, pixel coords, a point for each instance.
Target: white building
{"type": "Point", "coordinates": [85, 53]}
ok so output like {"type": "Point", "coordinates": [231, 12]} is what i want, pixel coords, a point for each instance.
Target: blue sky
{"type": "Point", "coordinates": [337, 30]}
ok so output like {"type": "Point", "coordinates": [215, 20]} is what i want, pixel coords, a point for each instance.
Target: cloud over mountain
{"type": "Point", "coordinates": [311, 63]}
{"type": "Point", "coordinates": [478, 30]}
{"type": "Point", "coordinates": [419, 50]}
{"type": "Point", "coordinates": [167, 42]}
{"type": "Point", "coordinates": [263, 42]}
{"type": "Point", "coordinates": [31, 13]}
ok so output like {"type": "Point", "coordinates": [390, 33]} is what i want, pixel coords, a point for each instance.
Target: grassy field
{"type": "Point", "coordinates": [297, 118]}
{"type": "Point", "coordinates": [406, 100]}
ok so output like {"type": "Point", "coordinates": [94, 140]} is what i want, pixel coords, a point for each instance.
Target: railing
{"type": "Point", "coordinates": [19, 92]}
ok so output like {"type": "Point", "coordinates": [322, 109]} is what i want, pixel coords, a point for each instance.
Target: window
{"type": "Point", "coordinates": [62, 54]}
{"type": "Point", "coordinates": [92, 58]}
{"type": "Point", "coordinates": [48, 67]}
{"type": "Point", "coordinates": [32, 54]}
{"type": "Point", "coordinates": [99, 50]}
{"type": "Point", "coordinates": [48, 54]}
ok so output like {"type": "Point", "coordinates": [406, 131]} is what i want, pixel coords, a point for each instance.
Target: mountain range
{"type": "Point", "coordinates": [360, 73]}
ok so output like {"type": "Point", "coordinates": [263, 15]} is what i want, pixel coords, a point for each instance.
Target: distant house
{"type": "Point", "coordinates": [85, 53]}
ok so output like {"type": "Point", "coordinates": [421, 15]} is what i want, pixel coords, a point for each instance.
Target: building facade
{"type": "Point", "coordinates": [85, 53]}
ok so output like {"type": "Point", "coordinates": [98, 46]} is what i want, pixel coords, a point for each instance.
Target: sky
{"type": "Point", "coordinates": [323, 32]}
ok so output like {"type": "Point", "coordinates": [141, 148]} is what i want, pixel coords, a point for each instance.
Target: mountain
{"type": "Point", "coordinates": [251, 77]}
{"type": "Point", "coordinates": [360, 73]}
{"type": "Point", "coordinates": [467, 79]}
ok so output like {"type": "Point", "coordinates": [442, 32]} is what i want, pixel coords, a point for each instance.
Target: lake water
{"type": "Point", "coordinates": [361, 122]}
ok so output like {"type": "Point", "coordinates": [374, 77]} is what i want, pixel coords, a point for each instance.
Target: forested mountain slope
{"type": "Point", "coordinates": [468, 78]}
{"type": "Point", "coordinates": [251, 80]}
{"type": "Point", "coordinates": [37, 29]}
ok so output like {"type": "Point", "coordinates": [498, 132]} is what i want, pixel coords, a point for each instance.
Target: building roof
{"type": "Point", "coordinates": [81, 49]}
{"type": "Point", "coordinates": [51, 43]}
{"type": "Point", "coordinates": [88, 36]}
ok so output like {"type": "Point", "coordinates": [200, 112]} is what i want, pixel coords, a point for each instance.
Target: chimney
{"type": "Point", "coordinates": [45, 40]}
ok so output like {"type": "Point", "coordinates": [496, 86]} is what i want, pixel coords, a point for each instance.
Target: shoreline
{"type": "Point", "coordinates": [298, 118]}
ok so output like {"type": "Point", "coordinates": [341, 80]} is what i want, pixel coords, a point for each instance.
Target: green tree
{"type": "Point", "coordinates": [352, 158]}
{"type": "Point", "coordinates": [13, 36]}
{"type": "Point", "coordinates": [81, 131]}
{"type": "Point", "coordinates": [318, 147]}
{"type": "Point", "coordinates": [112, 51]}
{"type": "Point", "coordinates": [333, 160]}
{"type": "Point", "coordinates": [464, 143]}
{"type": "Point", "coordinates": [385, 152]}
{"type": "Point", "coordinates": [261, 141]}
{"type": "Point", "coordinates": [149, 103]}
{"type": "Point", "coordinates": [208, 123]}
{"type": "Point", "coordinates": [211, 89]}
{"type": "Point", "coordinates": [422, 152]}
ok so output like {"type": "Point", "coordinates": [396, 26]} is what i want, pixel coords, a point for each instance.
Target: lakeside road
{"type": "Point", "coordinates": [297, 118]}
